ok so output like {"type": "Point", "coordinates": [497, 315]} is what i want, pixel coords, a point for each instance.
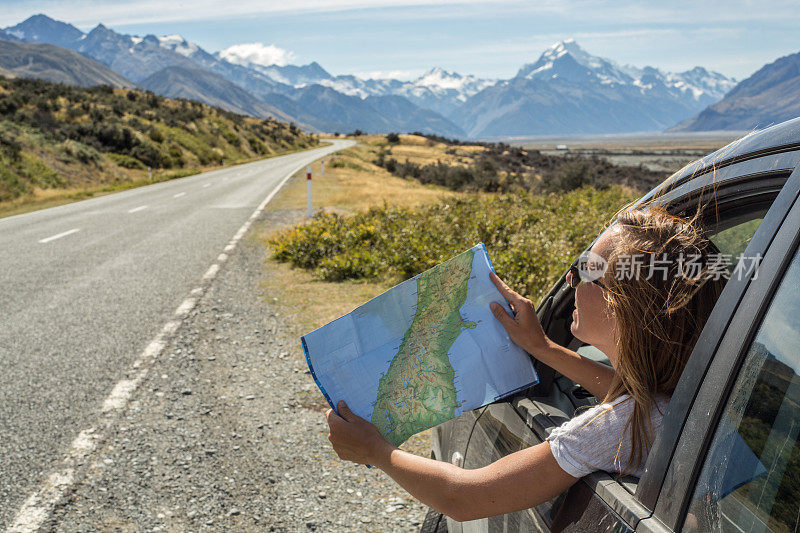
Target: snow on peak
{"type": "Point", "coordinates": [257, 54]}
{"type": "Point", "coordinates": [439, 80]}
{"type": "Point", "coordinates": [178, 44]}
{"type": "Point", "coordinates": [572, 48]}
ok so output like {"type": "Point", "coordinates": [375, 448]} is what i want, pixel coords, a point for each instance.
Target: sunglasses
{"type": "Point", "coordinates": [575, 279]}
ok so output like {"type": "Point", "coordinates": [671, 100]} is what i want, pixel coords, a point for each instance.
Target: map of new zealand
{"type": "Point", "coordinates": [421, 353]}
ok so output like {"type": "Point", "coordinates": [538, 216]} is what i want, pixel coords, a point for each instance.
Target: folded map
{"type": "Point", "coordinates": [422, 352]}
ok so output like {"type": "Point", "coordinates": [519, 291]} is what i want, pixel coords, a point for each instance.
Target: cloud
{"type": "Point", "coordinates": [257, 53]}
{"type": "Point", "coordinates": [86, 13]}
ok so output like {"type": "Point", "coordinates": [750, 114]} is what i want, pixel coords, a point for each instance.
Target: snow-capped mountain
{"type": "Point", "coordinates": [568, 90]}
{"type": "Point", "coordinates": [443, 91]}
{"type": "Point", "coordinates": [567, 60]}
{"type": "Point", "coordinates": [769, 96]}
{"type": "Point", "coordinates": [436, 89]}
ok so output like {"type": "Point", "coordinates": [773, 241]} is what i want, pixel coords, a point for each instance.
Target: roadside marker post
{"type": "Point", "coordinates": [150, 173]}
{"type": "Point", "coordinates": [322, 173]}
{"type": "Point", "coordinates": [308, 181]}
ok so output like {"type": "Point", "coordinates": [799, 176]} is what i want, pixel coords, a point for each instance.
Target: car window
{"type": "Point", "coordinates": [751, 477]}
{"type": "Point", "coordinates": [732, 241]}
{"type": "Point", "coordinates": [567, 396]}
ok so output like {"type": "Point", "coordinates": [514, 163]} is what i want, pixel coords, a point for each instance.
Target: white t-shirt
{"type": "Point", "coordinates": [591, 440]}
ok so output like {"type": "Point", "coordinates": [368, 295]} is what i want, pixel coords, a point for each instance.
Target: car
{"type": "Point", "coordinates": [727, 457]}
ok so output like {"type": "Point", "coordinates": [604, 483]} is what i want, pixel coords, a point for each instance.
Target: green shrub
{"type": "Point", "coordinates": [80, 152]}
{"type": "Point", "coordinates": [38, 173]}
{"type": "Point", "coordinates": [531, 238]}
{"type": "Point", "coordinates": [126, 161]}
{"type": "Point", "coordinates": [504, 168]}
{"type": "Point", "coordinates": [155, 135]}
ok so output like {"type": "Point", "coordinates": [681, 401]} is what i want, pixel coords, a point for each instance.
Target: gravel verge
{"type": "Point", "coordinates": [227, 433]}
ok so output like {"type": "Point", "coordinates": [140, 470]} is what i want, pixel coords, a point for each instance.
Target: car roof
{"type": "Point", "coordinates": [783, 137]}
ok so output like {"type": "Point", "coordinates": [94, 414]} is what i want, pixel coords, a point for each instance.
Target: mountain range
{"type": "Point", "coordinates": [566, 90]}
{"type": "Point", "coordinates": [767, 97]}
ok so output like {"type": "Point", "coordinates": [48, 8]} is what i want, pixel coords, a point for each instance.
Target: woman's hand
{"type": "Point", "coordinates": [354, 439]}
{"type": "Point", "coordinates": [524, 328]}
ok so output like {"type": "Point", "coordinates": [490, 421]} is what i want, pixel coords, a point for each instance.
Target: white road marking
{"type": "Point", "coordinates": [179, 195]}
{"type": "Point", "coordinates": [54, 237]}
{"type": "Point", "coordinates": [187, 305]}
{"type": "Point", "coordinates": [135, 209]}
{"type": "Point", "coordinates": [206, 185]}
{"type": "Point", "coordinates": [211, 272]}
{"type": "Point", "coordinates": [38, 506]}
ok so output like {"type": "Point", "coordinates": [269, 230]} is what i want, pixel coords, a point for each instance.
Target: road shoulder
{"type": "Point", "coordinates": [218, 437]}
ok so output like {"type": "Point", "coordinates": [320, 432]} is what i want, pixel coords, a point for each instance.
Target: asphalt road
{"type": "Point", "coordinates": [84, 287]}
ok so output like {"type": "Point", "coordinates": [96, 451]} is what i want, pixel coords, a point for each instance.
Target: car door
{"type": "Point", "coordinates": [732, 463]}
{"type": "Point", "coordinates": [598, 502]}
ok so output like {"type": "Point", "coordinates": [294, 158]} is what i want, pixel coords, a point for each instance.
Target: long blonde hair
{"type": "Point", "coordinates": [658, 319]}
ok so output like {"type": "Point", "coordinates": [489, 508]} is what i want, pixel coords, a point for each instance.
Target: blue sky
{"type": "Point", "coordinates": [488, 39]}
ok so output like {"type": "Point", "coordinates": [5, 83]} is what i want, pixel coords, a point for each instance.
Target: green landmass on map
{"type": "Point", "coordinates": [418, 390]}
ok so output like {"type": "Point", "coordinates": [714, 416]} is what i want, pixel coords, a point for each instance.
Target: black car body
{"type": "Point", "coordinates": [742, 374]}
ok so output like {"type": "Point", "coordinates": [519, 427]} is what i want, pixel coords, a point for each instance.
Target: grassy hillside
{"type": "Point", "coordinates": [58, 141]}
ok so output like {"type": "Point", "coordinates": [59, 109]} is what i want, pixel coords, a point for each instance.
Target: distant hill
{"type": "Point", "coordinates": [56, 64]}
{"type": "Point", "coordinates": [211, 89]}
{"type": "Point", "coordinates": [42, 29]}
{"type": "Point", "coordinates": [769, 96]}
{"type": "Point", "coordinates": [405, 116]}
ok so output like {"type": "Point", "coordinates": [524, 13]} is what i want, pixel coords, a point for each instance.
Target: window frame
{"type": "Point", "coordinates": [680, 451]}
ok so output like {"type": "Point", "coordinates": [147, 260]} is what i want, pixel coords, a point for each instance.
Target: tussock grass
{"type": "Point", "coordinates": [353, 182]}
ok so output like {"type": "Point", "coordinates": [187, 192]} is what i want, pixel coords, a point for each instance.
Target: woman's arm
{"type": "Point", "coordinates": [591, 375]}
{"type": "Point", "coordinates": [526, 331]}
{"type": "Point", "coordinates": [518, 481]}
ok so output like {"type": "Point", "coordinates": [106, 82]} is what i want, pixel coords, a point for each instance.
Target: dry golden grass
{"type": "Point", "coordinates": [358, 184]}
{"type": "Point", "coordinates": [423, 151]}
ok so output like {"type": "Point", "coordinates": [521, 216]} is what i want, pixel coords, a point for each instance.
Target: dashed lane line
{"type": "Point", "coordinates": [179, 195]}
{"type": "Point", "coordinates": [38, 507]}
{"type": "Point", "coordinates": [136, 209]}
{"type": "Point", "coordinates": [54, 237]}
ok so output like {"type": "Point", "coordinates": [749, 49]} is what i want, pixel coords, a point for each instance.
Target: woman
{"type": "Point", "coordinates": [645, 313]}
